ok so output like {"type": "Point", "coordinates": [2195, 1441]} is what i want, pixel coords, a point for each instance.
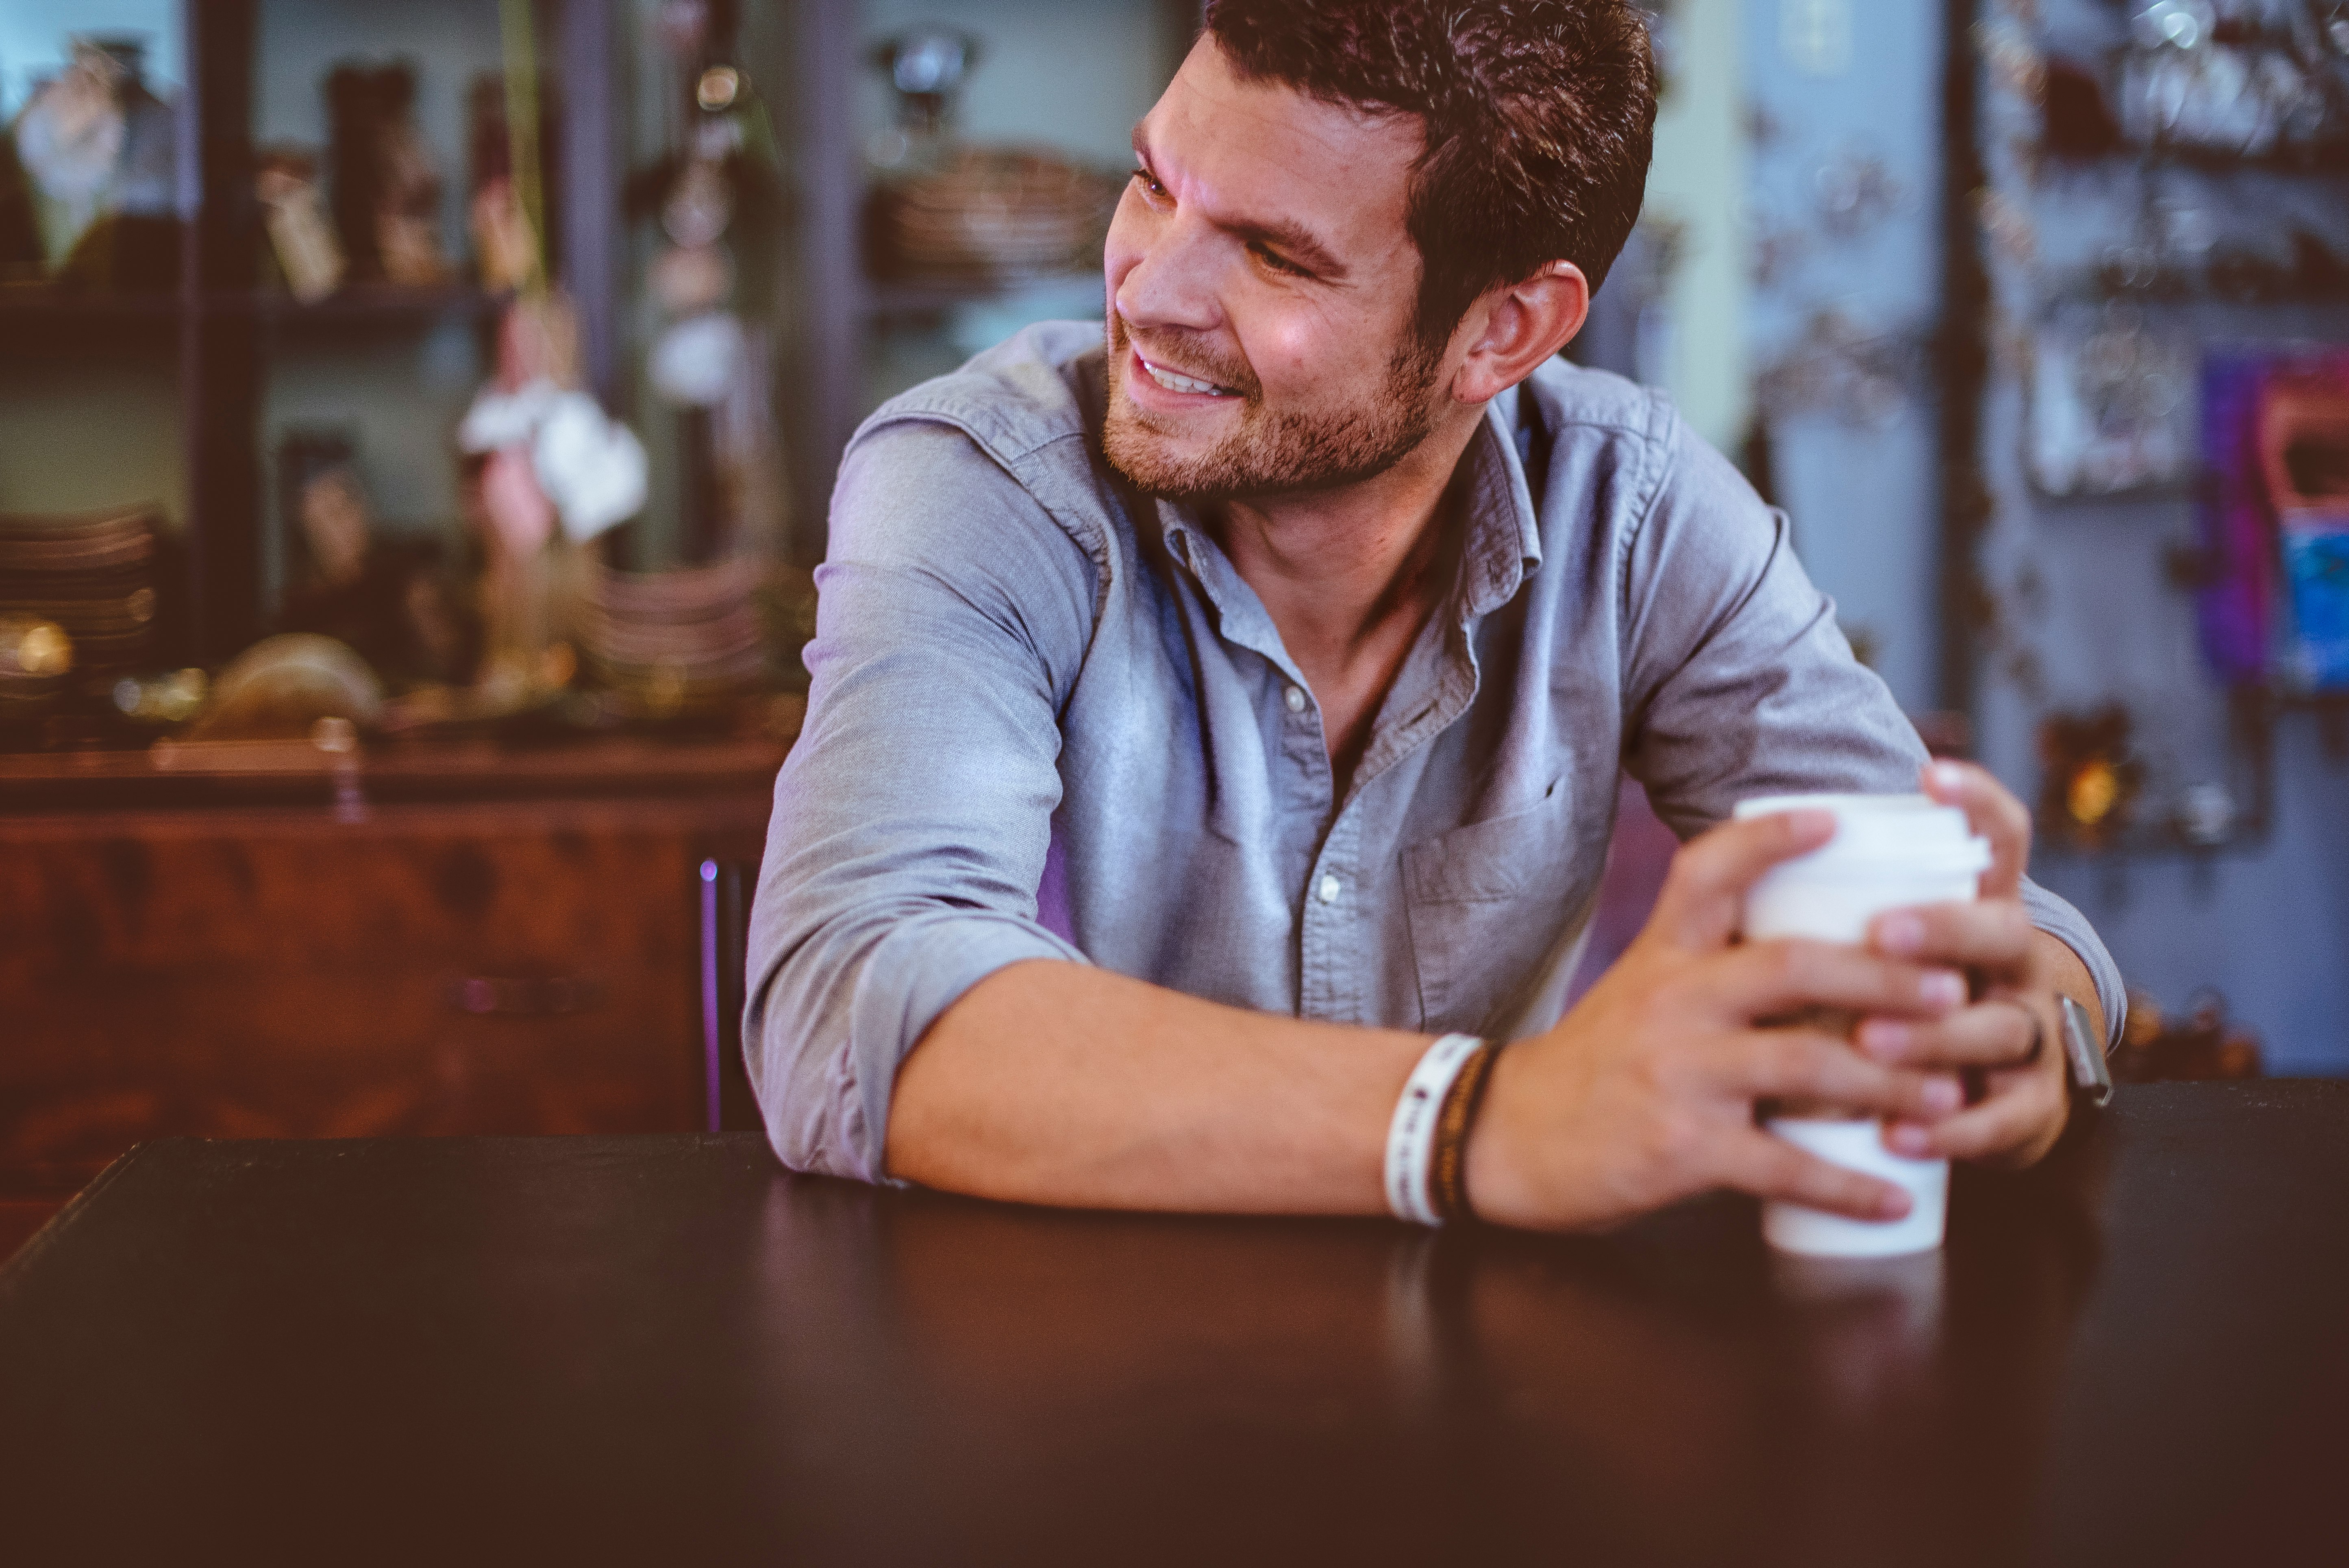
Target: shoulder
{"type": "Point", "coordinates": [1617, 457]}
{"type": "Point", "coordinates": [986, 471]}
{"type": "Point", "coordinates": [1573, 397]}
{"type": "Point", "coordinates": [1040, 386]}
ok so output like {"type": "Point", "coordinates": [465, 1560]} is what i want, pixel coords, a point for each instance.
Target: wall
{"type": "Point", "coordinates": [1071, 75]}
{"type": "Point", "coordinates": [54, 457]}
{"type": "Point", "coordinates": [2267, 924]}
{"type": "Point", "coordinates": [1698, 183]}
{"type": "Point", "coordinates": [2088, 615]}
{"type": "Point", "coordinates": [1835, 87]}
{"type": "Point", "coordinates": [2086, 611]}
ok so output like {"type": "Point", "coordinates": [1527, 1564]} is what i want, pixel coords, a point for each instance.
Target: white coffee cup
{"type": "Point", "coordinates": [1859, 1146]}
{"type": "Point", "coordinates": [1888, 852]}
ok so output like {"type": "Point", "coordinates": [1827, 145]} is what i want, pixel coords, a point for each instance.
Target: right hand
{"type": "Point", "coordinates": [1644, 1094]}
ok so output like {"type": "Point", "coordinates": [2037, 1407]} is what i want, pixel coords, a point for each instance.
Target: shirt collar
{"type": "Point", "coordinates": [1500, 549]}
{"type": "Point", "coordinates": [1502, 546]}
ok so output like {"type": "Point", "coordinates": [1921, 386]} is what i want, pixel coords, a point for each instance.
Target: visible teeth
{"type": "Point", "coordinates": [1173, 383]}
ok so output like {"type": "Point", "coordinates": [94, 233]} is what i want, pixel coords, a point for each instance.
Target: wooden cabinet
{"type": "Point", "coordinates": [435, 963]}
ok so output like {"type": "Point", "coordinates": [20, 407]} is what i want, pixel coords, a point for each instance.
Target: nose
{"type": "Point", "coordinates": [1162, 271]}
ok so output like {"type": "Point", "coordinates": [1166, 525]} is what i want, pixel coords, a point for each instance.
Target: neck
{"type": "Point", "coordinates": [1333, 566]}
{"type": "Point", "coordinates": [1349, 576]}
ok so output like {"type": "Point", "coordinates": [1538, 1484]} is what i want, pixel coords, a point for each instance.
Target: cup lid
{"type": "Point", "coordinates": [1907, 833]}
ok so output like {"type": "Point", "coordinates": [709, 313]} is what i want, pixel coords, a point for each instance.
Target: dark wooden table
{"type": "Point", "coordinates": [665, 1350]}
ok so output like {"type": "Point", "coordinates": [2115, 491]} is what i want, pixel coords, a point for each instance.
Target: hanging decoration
{"type": "Point", "coordinates": [524, 166]}
{"type": "Point", "coordinates": [715, 201]}
{"type": "Point", "coordinates": [548, 467]}
{"type": "Point", "coordinates": [509, 223]}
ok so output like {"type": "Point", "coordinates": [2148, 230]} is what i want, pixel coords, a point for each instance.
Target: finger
{"type": "Point", "coordinates": [1998, 1033]}
{"type": "Point", "coordinates": [1771, 1168]}
{"type": "Point", "coordinates": [1770, 979]}
{"type": "Point", "coordinates": [1993, 933]}
{"type": "Point", "coordinates": [1806, 1065]}
{"type": "Point", "coordinates": [2016, 1123]}
{"type": "Point", "coordinates": [1704, 896]}
{"type": "Point", "coordinates": [1994, 813]}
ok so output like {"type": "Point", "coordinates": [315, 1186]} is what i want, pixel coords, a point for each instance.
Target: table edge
{"type": "Point", "coordinates": [13, 1268]}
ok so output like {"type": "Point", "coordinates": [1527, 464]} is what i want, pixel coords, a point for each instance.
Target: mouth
{"type": "Point", "coordinates": [1175, 381]}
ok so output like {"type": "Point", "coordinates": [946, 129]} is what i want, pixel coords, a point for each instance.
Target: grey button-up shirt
{"type": "Point", "coordinates": [1048, 719]}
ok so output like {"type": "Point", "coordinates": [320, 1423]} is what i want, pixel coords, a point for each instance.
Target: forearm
{"type": "Point", "coordinates": [1055, 1083]}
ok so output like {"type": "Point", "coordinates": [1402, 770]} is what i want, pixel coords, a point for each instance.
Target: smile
{"type": "Point", "coordinates": [1174, 381]}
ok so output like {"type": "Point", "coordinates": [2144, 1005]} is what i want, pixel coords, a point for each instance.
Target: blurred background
{"type": "Point", "coordinates": [416, 423]}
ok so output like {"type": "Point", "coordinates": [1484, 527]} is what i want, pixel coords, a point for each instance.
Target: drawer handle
{"type": "Point", "coordinates": [523, 997]}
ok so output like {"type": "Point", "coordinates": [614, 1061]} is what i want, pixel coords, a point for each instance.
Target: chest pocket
{"type": "Point", "coordinates": [1491, 903]}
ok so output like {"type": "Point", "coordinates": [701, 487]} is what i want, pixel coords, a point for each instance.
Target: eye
{"type": "Point", "coordinates": [1150, 186]}
{"type": "Point", "coordinates": [1277, 261]}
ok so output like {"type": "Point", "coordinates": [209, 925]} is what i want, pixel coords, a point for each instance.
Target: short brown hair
{"type": "Point", "coordinates": [1540, 121]}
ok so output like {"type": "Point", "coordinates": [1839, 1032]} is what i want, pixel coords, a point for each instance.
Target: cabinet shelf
{"type": "Point", "coordinates": [246, 360]}
{"type": "Point", "coordinates": [372, 304]}
{"type": "Point", "coordinates": [56, 324]}
{"type": "Point", "coordinates": [35, 305]}
{"type": "Point", "coordinates": [277, 773]}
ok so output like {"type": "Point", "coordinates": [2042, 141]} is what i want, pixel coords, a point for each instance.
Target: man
{"type": "Point", "coordinates": [1203, 720]}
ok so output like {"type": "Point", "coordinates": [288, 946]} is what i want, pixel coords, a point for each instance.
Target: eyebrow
{"type": "Point", "coordinates": [1284, 235]}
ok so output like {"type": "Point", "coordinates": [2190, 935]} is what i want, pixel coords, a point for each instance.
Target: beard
{"type": "Point", "coordinates": [1274, 451]}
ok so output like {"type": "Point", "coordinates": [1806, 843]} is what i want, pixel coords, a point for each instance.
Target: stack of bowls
{"type": "Point", "coordinates": [675, 641]}
{"type": "Point", "coordinates": [995, 216]}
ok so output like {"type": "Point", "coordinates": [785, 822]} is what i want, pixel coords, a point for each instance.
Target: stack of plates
{"type": "Point", "coordinates": [91, 575]}
{"type": "Point", "coordinates": [671, 640]}
{"type": "Point", "coordinates": [995, 215]}
{"type": "Point", "coordinates": [36, 657]}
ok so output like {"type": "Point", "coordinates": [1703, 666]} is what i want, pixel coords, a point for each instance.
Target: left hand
{"type": "Point", "coordinates": [2015, 968]}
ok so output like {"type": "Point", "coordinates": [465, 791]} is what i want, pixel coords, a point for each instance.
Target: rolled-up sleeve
{"type": "Point", "coordinates": [1740, 682]}
{"type": "Point", "coordinates": [913, 817]}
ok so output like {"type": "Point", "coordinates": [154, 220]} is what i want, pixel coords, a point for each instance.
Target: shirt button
{"type": "Point", "coordinates": [1329, 890]}
{"type": "Point", "coordinates": [1294, 698]}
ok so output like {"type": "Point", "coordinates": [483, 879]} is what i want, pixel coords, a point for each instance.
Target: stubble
{"type": "Point", "coordinates": [1274, 451]}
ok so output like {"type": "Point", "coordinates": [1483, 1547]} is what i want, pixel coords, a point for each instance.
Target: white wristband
{"type": "Point", "coordinates": [1410, 1137]}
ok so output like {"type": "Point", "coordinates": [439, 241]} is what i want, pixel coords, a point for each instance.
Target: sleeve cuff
{"type": "Point", "coordinates": [917, 972]}
{"type": "Point", "coordinates": [2070, 927]}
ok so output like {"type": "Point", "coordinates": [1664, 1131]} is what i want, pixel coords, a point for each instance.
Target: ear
{"type": "Point", "coordinates": [1513, 330]}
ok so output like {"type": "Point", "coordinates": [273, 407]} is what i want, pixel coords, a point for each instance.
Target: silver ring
{"type": "Point", "coordinates": [2038, 1030]}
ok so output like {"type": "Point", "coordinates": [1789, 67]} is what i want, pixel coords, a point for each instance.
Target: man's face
{"type": "Point", "coordinates": [1263, 294]}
